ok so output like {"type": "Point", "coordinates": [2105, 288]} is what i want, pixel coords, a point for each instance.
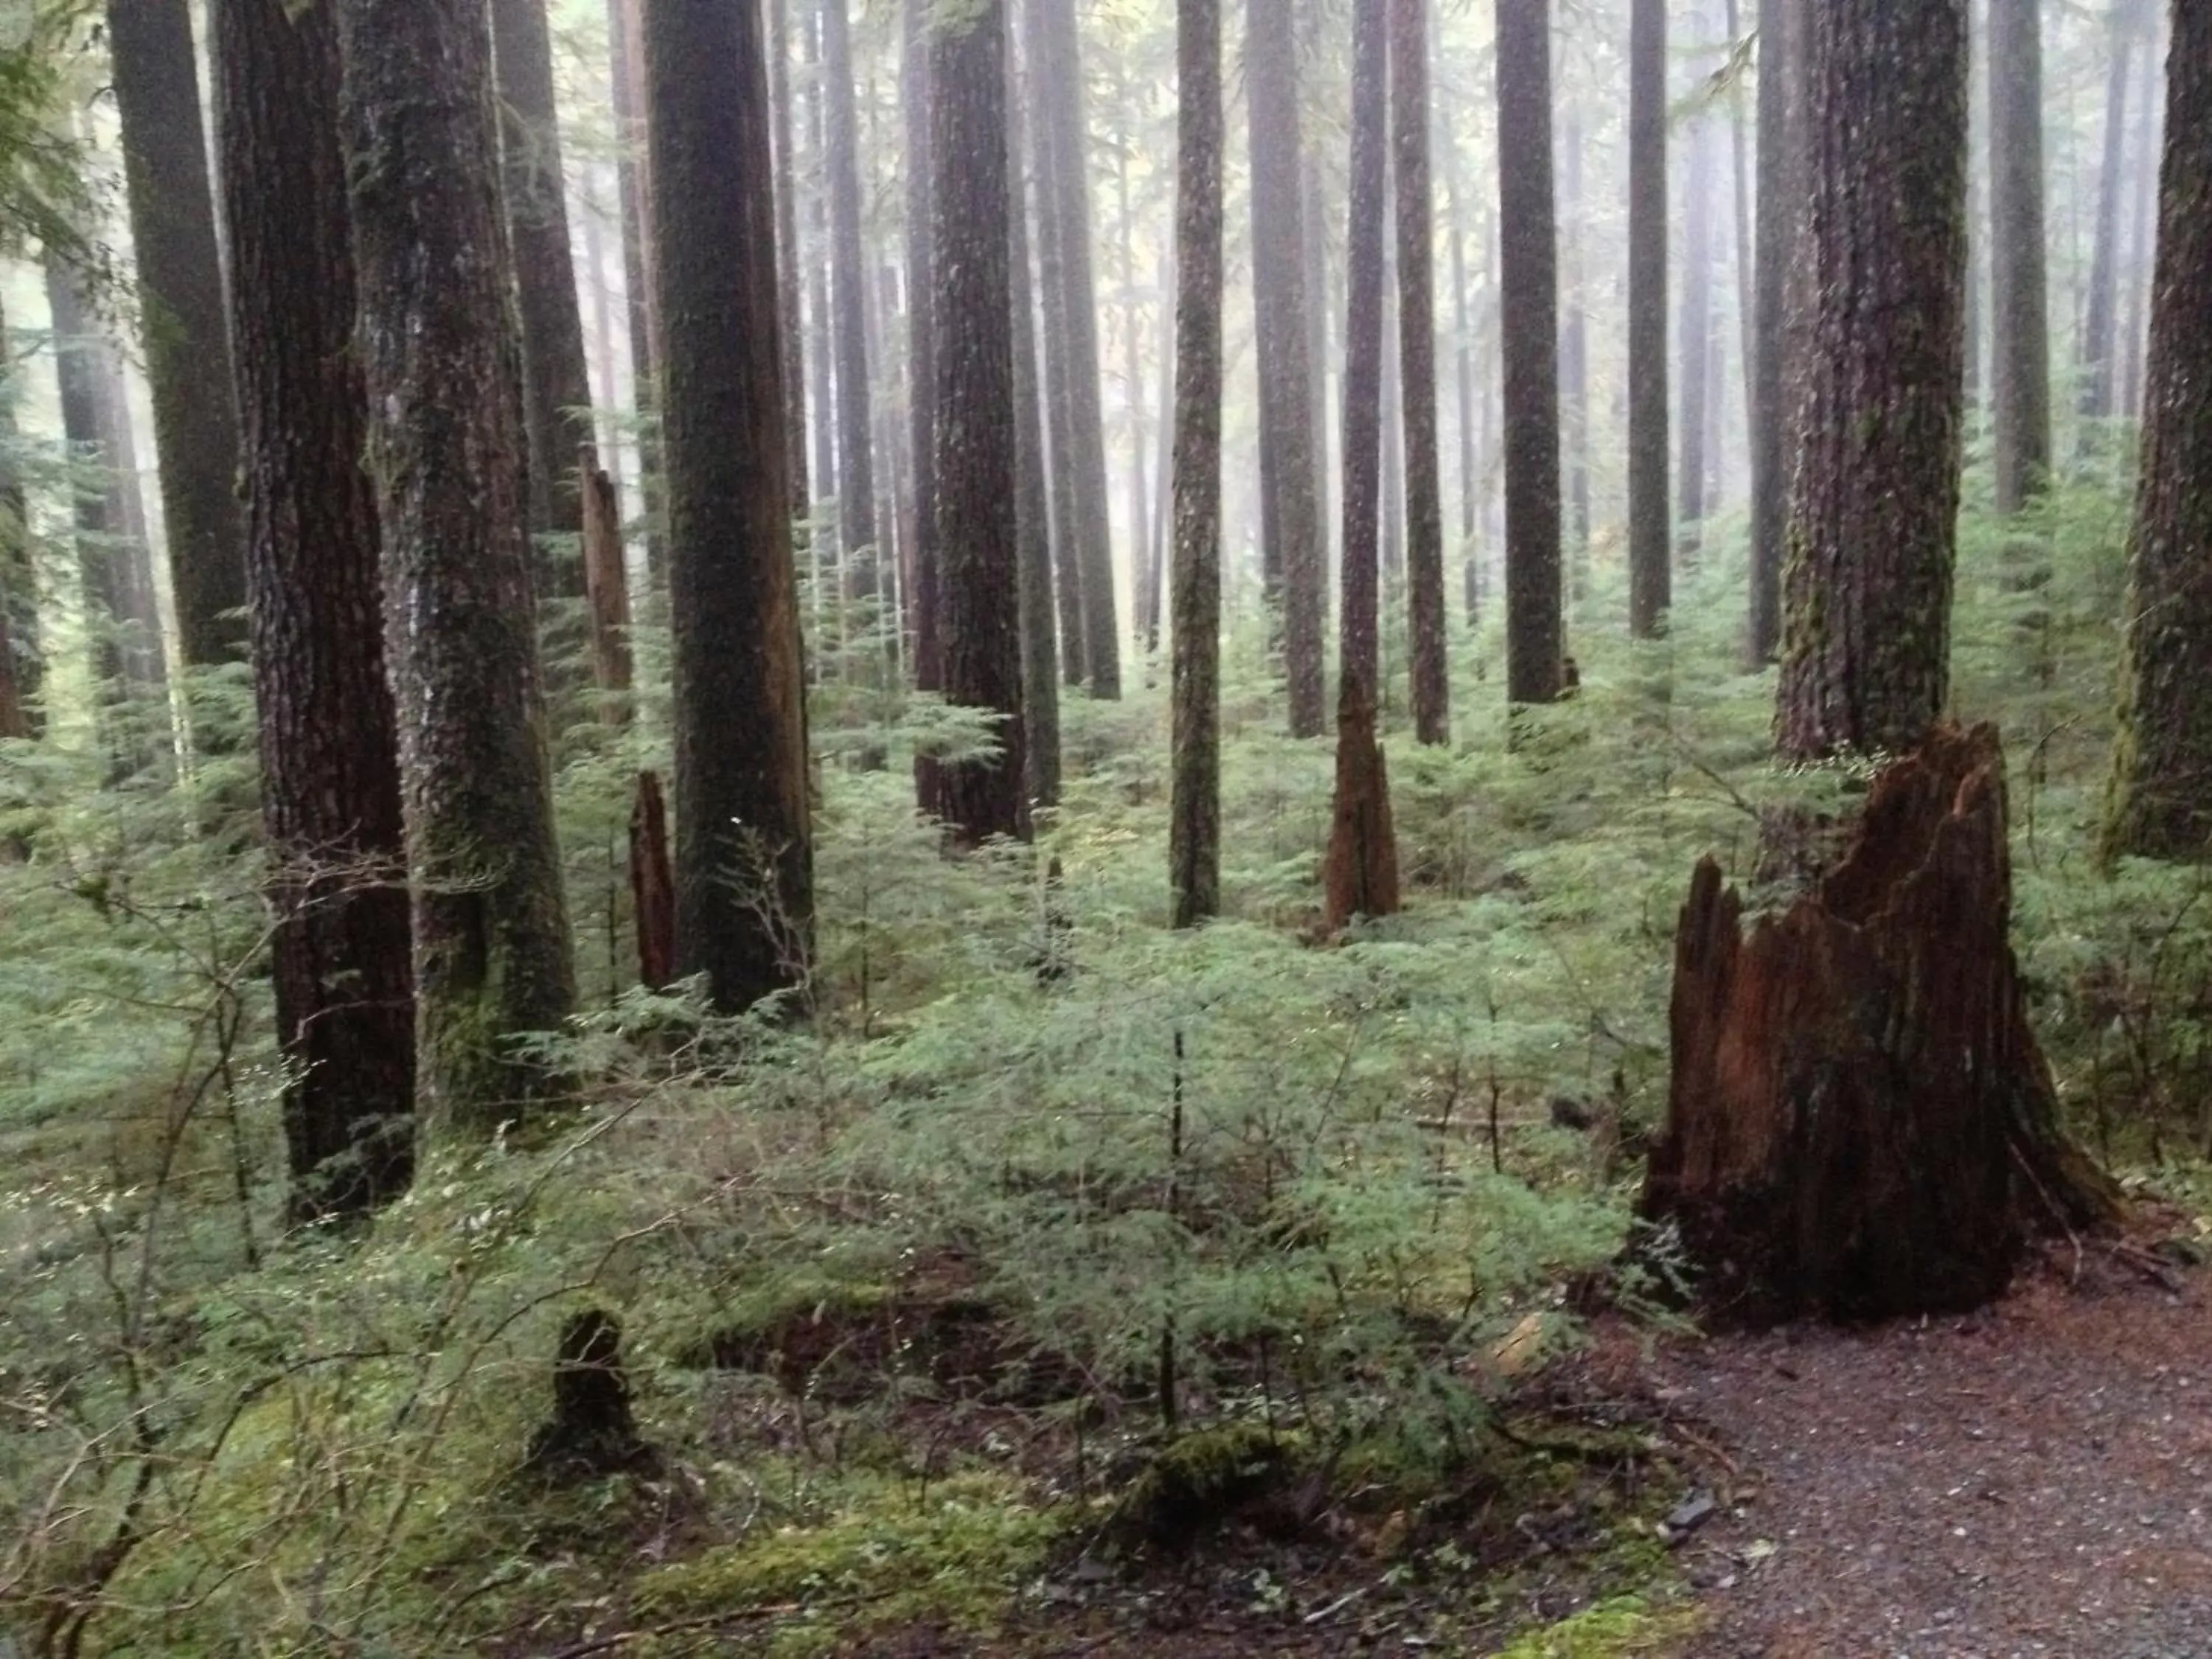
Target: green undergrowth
{"type": "Point", "coordinates": [1611, 1629]}
{"type": "Point", "coordinates": [903, 1272]}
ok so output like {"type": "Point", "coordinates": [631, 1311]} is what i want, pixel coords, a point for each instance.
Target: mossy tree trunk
{"type": "Point", "coordinates": [1650, 552]}
{"type": "Point", "coordinates": [186, 340]}
{"type": "Point", "coordinates": [1194, 813]}
{"type": "Point", "coordinates": [330, 766]}
{"type": "Point", "coordinates": [1860, 1124]}
{"type": "Point", "coordinates": [977, 532]}
{"type": "Point", "coordinates": [445, 444]}
{"type": "Point", "coordinates": [744, 868]}
{"type": "Point", "coordinates": [1289, 508]}
{"type": "Point", "coordinates": [2162, 794]}
{"type": "Point", "coordinates": [1535, 643]}
{"type": "Point", "coordinates": [1876, 421]}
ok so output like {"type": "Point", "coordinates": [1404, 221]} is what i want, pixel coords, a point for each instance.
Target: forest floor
{"type": "Point", "coordinates": [2034, 1479]}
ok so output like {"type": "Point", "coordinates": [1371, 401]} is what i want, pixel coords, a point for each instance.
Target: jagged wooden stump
{"type": "Point", "coordinates": [1860, 1123]}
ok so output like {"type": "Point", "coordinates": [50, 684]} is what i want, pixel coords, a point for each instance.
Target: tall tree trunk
{"type": "Point", "coordinates": [145, 657]}
{"type": "Point", "coordinates": [1746, 302]}
{"type": "Point", "coordinates": [856, 469]}
{"type": "Point", "coordinates": [22, 660]}
{"type": "Point", "coordinates": [1362, 422]}
{"type": "Point", "coordinates": [633, 189]}
{"type": "Point", "coordinates": [973, 389]}
{"type": "Point", "coordinates": [187, 344]}
{"type": "Point", "coordinates": [784, 137]}
{"type": "Point", "coordinates": [87, 429]}
{"type": "Point", "coordinates": [921, 362]}
{"type": "Point", "coordinates": [1650, 553]}
{"type": "Point", "coordinates": [1067, 142]}
{"type": "Point", "coordinates": [1470, 487]}
{"type": "Point", "coordinates": [1033, 500]}
{"type": "Point", "coordinates": [1574, 354]}
{"type": "Point", "coordinates": [1876, 422]}
{"type": "Point", "coordinates": [1139, 500]}
{"type": "Point", "coordinates": [1194, 815]}
{"type": "Point", "coordinates": [556, 388]}
{"type": "Point", "coordinates": [2100, 331]}
{"type": "Point", "coordinates": [1695, 324]}
{"type": "Point", "coordinates": [1778, 206]}
{"type": "Point", "coordinates": [444, 448]}
{"type": "Point", "coordinates": [1977, 227]}
{"type": "Point", "coordinates": [2162, 796]}
{"type": "Point", "coordinates": [2142, 244]}
{"type": "Point", "coordinates": [1290, 514]}
{"type": "Point", "coordinates": [826, 538]}
{"type": "Point", "coordinates": [1059, 367]}
{"type": "Point", "coordinates": [1529, 325]}
{"type": "Point", "coordinates": [1154, 599]}
{"type": "Point", "coordinates": [329, 765]}
{"type": "Point", "coordinates": [1314, 259]}
{"type": "Point", "coordinates": [1417, 354]}
{"type": "Point", "coordinates": [738, 679]}
{"type": "Point", "coordinates": [2021, 331]}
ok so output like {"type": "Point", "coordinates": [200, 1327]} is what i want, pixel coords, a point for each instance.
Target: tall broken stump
{"type": "Point", "coordinates": [1860, 1123]}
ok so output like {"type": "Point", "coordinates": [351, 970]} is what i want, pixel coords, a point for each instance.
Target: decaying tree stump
{"type": "Point", "coordinates": [591, 1431]}
{"type": "Point", "coordinates": [651, 885]}
{"type": "Point", "coordinates": [1360, 876]}
{"type": "Point", "coordinates": [1860, 1123]}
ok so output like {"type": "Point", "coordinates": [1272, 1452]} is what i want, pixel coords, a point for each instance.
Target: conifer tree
{"type": "Point", "coordinates": [1417, 356]}
{"type": "Point", "coordinates": [1649, 551]}
{"type": "Point", "coordinates": [2019, 330]}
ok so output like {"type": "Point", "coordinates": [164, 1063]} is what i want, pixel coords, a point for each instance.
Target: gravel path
{"type": "Point", "coordinates": [2035, 1480]}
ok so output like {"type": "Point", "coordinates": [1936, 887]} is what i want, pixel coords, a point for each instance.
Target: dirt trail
{"type": "Point", "coordinates": [2032, 1480]}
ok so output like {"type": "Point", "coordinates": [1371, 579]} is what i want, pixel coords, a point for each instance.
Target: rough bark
{"type": "Point", "coordinates": [445, 449]}
{"type": "Point", "coordinates": [1359, 874]}
{"type": "Point", "coordinates": [2162, 798]}
{"type": "Point", "coordinates": [651, 885]}
{"type": "Point", "coordinates": [1032, 502]}
{"type": "Point", "coordinates": [856, 467]}
{"type": "Point", "coordinates": [922, 356]}
{"type": "Point", "coordinates": [607, 592]}
{"type": "Point", "coordinates": [1291, 524]}
{"type": "Point", "coordinates": [972, 390]}
{"type": "Point", "coordinates": [1535, 641]}
{"type": "Point", "coordinates": [1779, 202]}
{"type": "Point", "coordinates": [593, 1430]}
{"type": "Point", "coordinates": [1067, 130]}
{"type": "Point", "coordinates": [1194, 812]}
{"type": "Point", "coordinates": [556, 389]}
{"type": "Point", "coordinates": [785, 138]}
{"type": "Point", "coordinates": [1417, 356]}
{"type": "Point", "coordinates": [1574, 353]}
{"type": "Point", "coordinates": [1470, 487]}
{"type": "Point", "coordinates": [744, 872]}
{"type": "Point", "coordinates": [330, 770]}
{"type": "Point", "coordinates": [1874, 496]}
{"type": "Point", "coordinates": [1860, 1124]}
{"type": "Point", "coordinates": [1650, 552]}
{"type": "Point", "coordinates": [1695, 328]}
{"type": "Point", "coordinates": [2143, 255]}
{"type": "Point", "coordinates": [1059, 408]}
{"type": "Point", "coordinates": [634, 189]}
{"type": "Point", "coordinates": [186, 341]}
{"type": "Point", "coordinates": [1361, 426]}
{"type": "Point", "coordinates": [2019, 336]}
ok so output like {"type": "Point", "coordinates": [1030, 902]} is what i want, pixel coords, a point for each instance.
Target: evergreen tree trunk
{"type": "Point", "coordinates": [1066, 141]}
{"type": "Point", "coordinates": [1362, 424]}
{"type": "Point", "coordinates": [1876, 423]}
{"type": "Point", "coordinates": [2100, 331]}
{"type": "Point", "coordinates": [785, 138]}
{"type": "Point", "coordinates": [1194, 815]}
{"type": "Point", "coordinates": [972, 390]}
{"type": "Point", "coordinates": [2019, 326]}
{"type": "Point", "coordinates": [1059, 368]}
{"type": "Point", "coordinates": [1695, 324]}
{"type": "Point", "coordinates": [1290, 514]}
{"type": "Point", "coordinates": [856, 469]}
{"type": "Point", "coordinates": [556, 389]}
{"type": "Point", "coordinates": [22, 662]}
{"type": "Point", "coordinates": [1417, 354]}
{"type": "Point", "coordinates": [1470, 488]}
{"type": "Point", "coordinates": [1314, 256]}
{"type": "Point", "coordinates": [445, 449]}
{"type": "Point", "coordinates": [1574, 355]}
{"type": "Point", "coordinates": [1650, 553]}
{"type": "Point", "coordinates": [2162, 798]}
{"type": "Point", "coordinates": [1746, 301]}
{"type": "Point", "coordinates": [186, 342]}
{"type": "Point", "coordinates": [1032, 501]}
{"type": "Point", "coordinates": [633, 190]}
{"type": "Point", "coordinates": [145, 658]}
{"type": "Point", "coordinates": [86, 429]}
{"type": "Point", "coordinates": [1528, 328]}
{"type": "Point", "coordinates": [330, 768]}
{"type": "Point", "coordinates": [1778, 206]}
{"type": "Point", "coordinates": [738, 676]}
{"type": "Point", "coordinates": [1153, 602]}
{"type": "Point", "coordinates": [2142, 243]}
{"type": "Point", "coordinates": [921, 361]}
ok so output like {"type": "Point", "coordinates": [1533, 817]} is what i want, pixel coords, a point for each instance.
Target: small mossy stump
{"type": "Point", "coordinates": [591, 1431]}
{"type": "Point", "coordinates": [653, 886]}
{"type": "Point", "coordinates": [1359, 877]}
{"type": "Point", "coordinates": [1860, 1123]}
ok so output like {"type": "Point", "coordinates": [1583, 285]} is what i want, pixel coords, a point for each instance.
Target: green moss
{"type": "Point", "coordinates": [952, 1557]}
{"type": "Point", "coordinates": [1623, 1625]}
{"type": "Point", "coordinates": [1201, 1478]}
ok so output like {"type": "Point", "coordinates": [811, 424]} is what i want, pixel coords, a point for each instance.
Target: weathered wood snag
{"type": "Point", "coordinates": [605, 590]}
{"type": "Point", "coordinates": [651, 885]}
{"type": "Point", "coordinates": [1360, 875]}
{"type": "Point", "coordinates": [1860, 1123]}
